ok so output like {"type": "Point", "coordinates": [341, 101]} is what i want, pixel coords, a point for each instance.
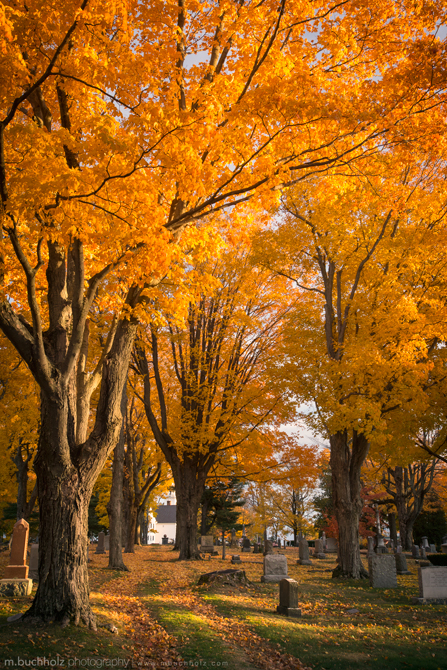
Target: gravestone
{"type": "Point", "coordinates": [288, 598]}
{"type": "Point", "coordinates": [323, 542]}
{"type": "Point", "coordinates": [415, 551]}
{"type": "Point", "coordinates": [233, 542]}
{"type": "Point", "coordinates": [444, 547]}
{"type": "Point", "coordinates": [433, 583]}
{"type": "Point", "coordinates": [165, 539]}
{"type": "Point", "coordinates": [423, 553]}
{"type": "Point", "coordinates": [107, 543]}
{"type": "Point", "coordinates": [17, 568]}
{"type": "Point", "coordinates": [433, 548]}
{"type": "Point", "coordinates": [34, 562]}
{"type": "Point", "coordinates": [399, 549]}
{"type": "Point", "coordinates": [275, 568]}
{"type": "Point", "coordinates": [268, 547]}
{"type": "Point", "coordinates": [319, 553]}
{"type": "Point", "coordinates": [304, 553]}
{"type": "Point", "coordinates": [257, 548]}
{"type": "Point", "coordinates": [207, 544]}
{"type": "Point", "coordinates": [371, 551]}
{"type": "Point", "coordinates": [16, 581]}
{"type": "Point", "coordinates": [236, 559]}
{"type": "Point", "coordinates": [424, 542]}
{"type": "Point", "coordinates": [331, 545]}
{"type": "Point", "coordinates": [382, 571]}
{"type": "Point", "coordinates": [401, 564]}
{"type": "Point", "coordinates": [380, 548]}
{"type": "Point", "coordinates": [246, 546]}
{"type": "Point", "coordinates": [100, 546]}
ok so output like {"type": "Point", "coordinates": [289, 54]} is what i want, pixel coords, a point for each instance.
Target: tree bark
{"type": "Point", "coordinates": [347, 457]}
{"type": "Point", "coordinates": [114, 505]}
{"type": "Point", "coordinates": [189, 482]}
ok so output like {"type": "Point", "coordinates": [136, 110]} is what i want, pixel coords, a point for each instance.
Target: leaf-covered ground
{"type": "Point", "coordinates": [162, 619]}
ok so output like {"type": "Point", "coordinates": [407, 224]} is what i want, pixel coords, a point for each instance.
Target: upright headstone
{"type": "Point", "coordinates": [401, 564]}
{"type": "Point", "coordinates": [16, 581]}
{"type": "Point", "coordinates": [233, 542]}
{"type": "Point", "coordinates": [100, 546]}
{"type": "Point", "coordinates": [246, 546]}
{"type": "Point", "coordinates": [415, 551]}
{"type": "Point", "coordinates": [382, 571]}
{"type": "Point", "coordinates": [236, 559]}
{"type": "Point", "coordinates": [433, 548]}
{"type": "Point", "coordinates": [423, 553]}
{"type": "Point", "coordinates": [207, 544]}
{"type": "Point", "coordinates": [107, 542]}
{"type": "Point", "coordinates": [275, 568]}
{"type": "Point", "coordinates": [380, 548]}
{"type": "Point", "coordinates": [424, 542]}
{"type": "Point", "coordinates": [257, 548]}
{"type": "Point", "coordinates": [371, 551]}
{"type": "Point", "coordinates": [268, 547]}
{"type": "Point", "coordinates": [165, 539]}
{"type": "Point", "coordinates": [34, 562]}
{"type": "Point", "coordinates": [319, 553]}
{"type": "Point", "coordinates": [288, 598]}
{"type": "Point", "coordinates": [304, 553]}
{"type": "Point", "coordinates": [399, 549]}
{"type": "Point", "coordinates": [331, 545]}
{"type": "Point", "coordinates": [323, 542]}
{"type": "Point", "coordinates": [444, 547]}
{"type": "Point", "coordinates": [433, 582]}
{"type": "Point", "coordinates": [17, 568]}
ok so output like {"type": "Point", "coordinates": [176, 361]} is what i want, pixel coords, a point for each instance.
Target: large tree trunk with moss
{"type": "Point", "coordinates": [347, 457]}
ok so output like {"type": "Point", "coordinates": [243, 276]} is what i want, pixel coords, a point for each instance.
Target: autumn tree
{"type": "Point", "coordinates": [206, 384]}
{"type": "Point", "coordinates": [113, 144]}
{"type": "Point", "coordinates": [360, 340]}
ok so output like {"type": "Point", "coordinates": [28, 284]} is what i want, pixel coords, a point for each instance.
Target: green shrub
{"type": "Point", "coordinates": [438, 559]}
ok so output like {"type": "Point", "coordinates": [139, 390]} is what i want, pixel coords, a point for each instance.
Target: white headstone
{"type": "Point", "coordinates": [433, 582]}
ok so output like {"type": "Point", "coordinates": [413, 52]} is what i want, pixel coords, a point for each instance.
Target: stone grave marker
{"type": "Point", "coordinates": [207, 544]}
{"type": "Point", "coordinates": [423, 553]}
{"type": "Point", "coordinates": [34, 562]}
{"type": "Point", "coordinates": [304, 553]}
{"type": "Point", "coordinates": [424, 542]}
{"type": "Point", "coordinates": [100, 546]}
{"type": "Point", "coordinates": [382, 571]}
{"type": "Point", "coordinates": [107, 543]}
{"type": "Point", "coordinates": [288, 598]}
{"type": "Point", "coordinates": [257, 548]}
{"type": "Point", "coordinates": [16, 581]}
{"type": "Point", "coordinates": [246, 546]}
{"type": "Point", "coordinates": [236, 559]}
{"type": "Point", "coordinates": [433, 583]}
{"type": "Point", "coordinates": [275, 568]}
{"type": "Point", "coordinates": [268, 547]}
{"type": "Point", "coordinates": [323, 542]}
{"type": "Point", "coordinates": [319, 553]}
{"type": "Point", "coordinates": [371, 551]}
{"type": "Point", "coordinates": [415, 551]}
{"type": "Point", "coordinates": [331, 545]}
{"type": "Point", "coordinates": [433, 548]}
{"type": "Point", "coordinates": [444, 547]}
{"type": "Point", "coordinates": [401, 564]}
{"type": "Point", "coordinates": [233, 542]}
{"type": "Point", "coordinates": [380, 548]}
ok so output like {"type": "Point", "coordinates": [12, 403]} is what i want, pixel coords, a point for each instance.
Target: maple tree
{"type": "Point", "coordinates": [207, 388]}
{"type": "Point", "coordinates": [112, 145]}
{"type": "Point", "coordinates": [361, 250]}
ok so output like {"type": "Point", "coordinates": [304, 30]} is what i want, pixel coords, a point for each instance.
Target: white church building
{"type": "Point", "coordinates": [162, 521]}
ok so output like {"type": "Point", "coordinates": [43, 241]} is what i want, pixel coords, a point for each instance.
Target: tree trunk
{"type": "Point", "coordinates": [189, 488]}
{"type": "Point", "coordinates": [346, 462]}
{"type": "Point", "coordinates": [64, 496]}
{"type": "Point", "coordinates": [223, 545]}
{"type": "Point", "coordinates": [115, 504]}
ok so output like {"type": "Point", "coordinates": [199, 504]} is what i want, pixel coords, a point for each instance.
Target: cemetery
{"type": "Point", "coordinates": [223, 328]}
{"type": "Point", "coordinates": [164, 611]}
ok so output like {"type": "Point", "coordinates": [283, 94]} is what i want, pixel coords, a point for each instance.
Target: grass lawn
{"type": "Point", "coordinates": [160, 618]}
